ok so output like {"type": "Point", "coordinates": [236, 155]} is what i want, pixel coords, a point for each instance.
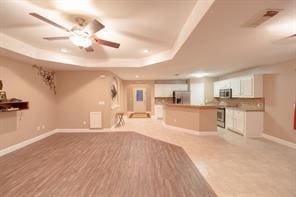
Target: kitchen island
{"type": "Point", "coordinates": [197, 118]}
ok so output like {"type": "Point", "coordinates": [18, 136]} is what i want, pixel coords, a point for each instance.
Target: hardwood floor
{"type": "Point", "coordinates": [115, 164]}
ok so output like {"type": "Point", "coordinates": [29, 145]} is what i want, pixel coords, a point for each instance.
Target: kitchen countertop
{"type": "Point", "coordinates": [246, 109]}
{"type": "Point", "coordinates": [192, 106]}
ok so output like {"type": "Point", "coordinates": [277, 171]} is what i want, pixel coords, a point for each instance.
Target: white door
{"type": "Point", "coordinates": [139, 99]}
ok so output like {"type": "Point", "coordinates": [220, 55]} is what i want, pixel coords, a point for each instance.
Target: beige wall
{"type": "Point", "coordinates": [21, 81]}
{"type": "Point", "coordinates": [127, 94]}
{"type": "Point", "coordinates": [280, 96]}
{"type": "Point", "coordinates": [191, 118]}
{"type": "Point", "coordinates": [79, 93]}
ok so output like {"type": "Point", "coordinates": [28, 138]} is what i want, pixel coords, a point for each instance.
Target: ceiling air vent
{"type": "Point", "coordinates": [262, 17]}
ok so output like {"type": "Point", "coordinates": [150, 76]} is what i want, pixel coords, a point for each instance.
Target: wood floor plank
{"type": "Point", "coordinates": [121, 164]}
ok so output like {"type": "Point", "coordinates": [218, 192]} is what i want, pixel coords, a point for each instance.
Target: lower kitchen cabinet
{"type": "Point", "coordinates": [159, 111]}
{"type": "Point", "coordinates": [247, 123]}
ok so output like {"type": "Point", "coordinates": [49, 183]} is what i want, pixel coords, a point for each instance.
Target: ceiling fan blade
{"type": "Point", "coordinates": [89, 49]}
{"type": "Point", "coordinates": [107, 43]}
{"type": "Point", "coordinates": [93, 27]}
{"type": "Point", "coordinates": [56, 38]}
{"type": "Point", "coordinates": [49, 21]}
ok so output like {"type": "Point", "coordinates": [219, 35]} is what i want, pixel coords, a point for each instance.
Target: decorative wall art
{"type": "Point", "coordinates": [48, 77]}
{"type": "Point", "coordinates": [2, 93]}
{"type": "Point", "coordinates": [113, 92]}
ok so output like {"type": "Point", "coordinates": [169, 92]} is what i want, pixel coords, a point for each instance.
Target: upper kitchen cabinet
{"type": "Point", "coordinates": [218, 85]}
{"type": "Point", "coordinates": [250, 87]}
{"type": "Point", "coordinates": [235, 86]}
{"type": "Point", "coordinates": [247, 87]}
{"type": "Point", "coordinates": [217, 88]}
{"type": "Point", "coordinates": [166, 90]}
{"type": "Point", "coordinates": [242, 87]}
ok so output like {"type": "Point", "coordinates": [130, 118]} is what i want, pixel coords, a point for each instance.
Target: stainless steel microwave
{"type": "Point", "coordinates": [225, 93]}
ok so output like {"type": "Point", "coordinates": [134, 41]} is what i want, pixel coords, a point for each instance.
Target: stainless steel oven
{"type": "Point", "coordinates": [221, 117]}
{"type": "Point", "coordinates": [225, 93]}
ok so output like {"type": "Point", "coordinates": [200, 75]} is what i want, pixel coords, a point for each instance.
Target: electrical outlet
{"type": "Point", "coordinates": [101, 102]}
{"type": "Point", "coordinates": [38, 128]}
{"type": "Point", "coordinates": [43, 126]}
{"type": "Point", "coordinates": [84, 122]}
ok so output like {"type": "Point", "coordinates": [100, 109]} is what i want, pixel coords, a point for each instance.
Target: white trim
{"type": "Point", "coordinates": [279, 140]}
{"type": "Point", "coordinates": [193, 19]}
{"type": "Point", "coordinates": [26, 142]}
{"type": "Point", "coordinates": [190, 131]}
{"type": "Point", "coordinates": [47, 134]}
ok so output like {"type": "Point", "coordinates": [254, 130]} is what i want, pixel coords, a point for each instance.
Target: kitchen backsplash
{"type": "Point", "coordinates": [161, 101]}
{"type": "Point", "coordinates": [246, 103]}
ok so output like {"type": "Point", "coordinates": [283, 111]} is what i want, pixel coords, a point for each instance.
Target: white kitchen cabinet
{"type": "Point", "coordinates": [166, 90]}
{"type": "Point", "coordinates": [229, 118]}
{"type": "Point", "coordinates": [217, 87]}
{"type": "Point", "coordinates": [158, 111]}
{"type": "Point", "coordinates": [242, 87]}
{"type": "Point", "coordinates": [235, 86]}
{"type": "Point", "coordinates": [247, 123]}
{"type": "Point", "coordinates": [247, 87]}
{"type": "Point", "coordinates": [225, 84]}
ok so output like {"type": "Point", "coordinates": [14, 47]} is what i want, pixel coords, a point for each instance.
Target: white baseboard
{"type": "Point", "coordinates": [25, 143]}
{"type": "Point", "coordinates": [279, 140]}
{"type": "Point", "coordinates": [190, 131]}
{"type": "Point", "coordinates": [45, 135]}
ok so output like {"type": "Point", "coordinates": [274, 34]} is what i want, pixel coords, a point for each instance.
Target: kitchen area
{"type": "Point", "coordinates": [204, 105]}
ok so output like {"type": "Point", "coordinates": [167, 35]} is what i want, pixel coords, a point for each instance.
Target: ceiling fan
{"type": "Point", "coordinates": [82, 35]}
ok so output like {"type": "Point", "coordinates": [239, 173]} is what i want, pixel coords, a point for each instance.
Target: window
{"type": "Point", "coordinates": [139, 95]}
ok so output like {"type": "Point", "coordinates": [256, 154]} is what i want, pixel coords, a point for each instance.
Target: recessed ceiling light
{"type": "Point", "coordinates": [64, 50]}
{"type": "Point", "coordinates": [137, 76]}
{"type": "Point", "coordinates": [146, 51]}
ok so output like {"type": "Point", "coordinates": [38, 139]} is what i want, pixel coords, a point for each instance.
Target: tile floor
{"type": "Point", "coordinates": [233, 165]}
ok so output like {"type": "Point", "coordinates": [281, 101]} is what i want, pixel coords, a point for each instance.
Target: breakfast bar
{"type": "Point", "coordinates": [199, 118]}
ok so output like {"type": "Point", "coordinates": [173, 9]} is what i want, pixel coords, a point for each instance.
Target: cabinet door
{"type": "Point", "coordinates": [159, 111]}
{"type": "Point", "coordinates": [235, 86]}
{"type": "Point", "coordinates": [216, 89]}
{"type": "Point", "coordinates": [247, 87]}
{"type": "Point", "coordinates": [157, 90]}
{"type": "Point", "coordinates": [226, 84]}
{"type": "Point", "coordinates": [240, 124]}
{"type": "Point", "coordinates": [180, 87]}
{"type": "Point", "coordinates": [229, 118]}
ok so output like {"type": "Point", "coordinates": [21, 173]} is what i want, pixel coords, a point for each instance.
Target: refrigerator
{"type": "Point", "coordinates": [181, 97]}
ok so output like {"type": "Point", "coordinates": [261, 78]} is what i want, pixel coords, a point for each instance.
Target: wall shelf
{"type": "Point", "coordinates": [13, 106]}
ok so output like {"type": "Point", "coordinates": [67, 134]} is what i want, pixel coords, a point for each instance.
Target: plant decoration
{"type": "Point", "coordinates": [113, 92]}
{"type": "Point", "coordinates": [48, 77]}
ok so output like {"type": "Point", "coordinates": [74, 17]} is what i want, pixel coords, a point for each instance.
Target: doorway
{"type": "Point", "coordinates": [139, 104]}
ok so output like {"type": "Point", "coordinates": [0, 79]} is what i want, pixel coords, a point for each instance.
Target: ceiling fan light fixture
{"type": "Point", "coordinates": [80, 41]}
